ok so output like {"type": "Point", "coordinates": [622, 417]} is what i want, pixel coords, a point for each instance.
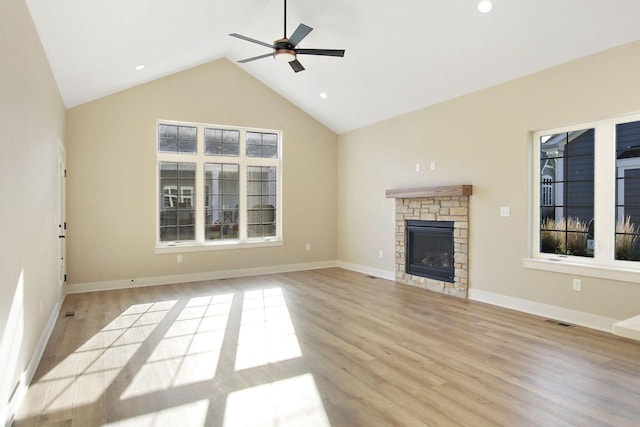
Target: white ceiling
{"type": "Point", "coordinates": [400, 55]}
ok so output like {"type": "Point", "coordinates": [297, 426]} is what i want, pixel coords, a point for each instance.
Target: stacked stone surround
{"type": "Point", "coordinates": [438, 208]}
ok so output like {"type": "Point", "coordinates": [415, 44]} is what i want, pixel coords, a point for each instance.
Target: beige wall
{"type": "Point", "coordinates": [112, 170]}
{"type": "Point", "coordinates": [31, 121]}
{"type": "Point", "coordinates": [483, 139]}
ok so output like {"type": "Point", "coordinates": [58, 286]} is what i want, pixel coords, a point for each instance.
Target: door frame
{"type": "Point", "coordinates": [61, 216]}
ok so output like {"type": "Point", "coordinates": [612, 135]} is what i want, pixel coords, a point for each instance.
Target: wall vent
{"type": "Point", "coordinates": [562, 324]}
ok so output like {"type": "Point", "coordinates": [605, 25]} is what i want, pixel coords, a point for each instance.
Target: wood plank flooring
{"type": "Point", "coordinates": [323, 348]}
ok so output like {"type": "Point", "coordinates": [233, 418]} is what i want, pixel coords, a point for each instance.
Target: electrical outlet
{"type": "Point", "coordinates": [380, 253]}
{"type": "Point", "coordinates": [307, 247]}
{"type": "Point", "coordinates": [433, 165]}
{"type": "Point", "coordinates": [417, 167]}
{"type": "Point", "coordinates": [577, 285]}
{"type": "Point", "coordinates": [179, 258]}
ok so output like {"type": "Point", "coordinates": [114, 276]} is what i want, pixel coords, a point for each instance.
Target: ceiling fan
{"type": "Point", "coordinates": [285, 49]}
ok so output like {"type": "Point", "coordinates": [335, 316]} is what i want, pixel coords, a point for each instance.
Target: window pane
{"type": "Point", "coordinates": [221, 142]}
{"type": "Point", "coordinates": [186, 139]}
{"type": "Point", "coordinates": [263, 145]}
{"type": "Point", "coordinates": [221, 207]}
{"type": "Point", "coordinates": [186, 233]}
{"type": "Point", "coordinates": [229, 186]}
{"type": "Point", "coordinates": [167, 145]}
{"type": "Point", "coordinates": [254, 150]}
{"type": "Point", "coordinates": [270, 139]}
{"type": "Point", "coordinates": [230, 149]}
{"type": "Point", "coordinates": [177, 198]}
{"type": "Point", "coordinates": [261, 188]}
{"type": "Point", "coordinates": [177, 139]}
{"type": "Point", "coordinates": [254, 231]}
{"type": "Point", "coordinates": [168, 138]}
{"type": "Point", "coordinates": [168, 234]}
{"type": "Point", "coordinates": [566, 193]}
{"type": "Point", "coordinates": [254, 201]}
{"type": "Point", "coordinates": [269, 152]}
{"type": "Point", "coordinates": [168, 131]}
{"type": "Point", "coordinates": [628, 191]}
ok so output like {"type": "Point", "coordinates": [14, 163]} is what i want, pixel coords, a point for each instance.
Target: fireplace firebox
{"type": "Point", "coordinates": [430, 250]}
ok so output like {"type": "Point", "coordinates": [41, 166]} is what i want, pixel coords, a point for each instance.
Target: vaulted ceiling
{"type": "Point", "coordinates": [400, 55]}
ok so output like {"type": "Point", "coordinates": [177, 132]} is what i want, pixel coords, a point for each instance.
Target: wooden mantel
{"type": "Point", "coordinates": [448, 190]}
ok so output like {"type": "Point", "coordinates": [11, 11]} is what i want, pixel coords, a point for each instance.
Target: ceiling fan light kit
{"type": "Point", "coordinates": [285, 49]}
{"type": "Point", "coordinates": [285, 55]}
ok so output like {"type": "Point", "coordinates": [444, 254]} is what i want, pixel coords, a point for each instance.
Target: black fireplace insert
{"type": "Point", "coordinates": [429, 251]}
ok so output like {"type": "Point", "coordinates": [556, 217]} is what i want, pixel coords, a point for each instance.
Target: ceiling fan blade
{"type": "Point", "coordinates": [323, 52]}
{"type": "Point", "coordinates": [296, 65]}
{"type": "Point", "coordinates": [249, 39]}
{"type": "Point", "coordinates": [301, 32]}
{"type": "Point", "coordinates": [256, 57]}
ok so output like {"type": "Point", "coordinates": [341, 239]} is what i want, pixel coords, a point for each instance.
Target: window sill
{"type": "Point", "coordinates": [574, 268]}
{"type": "Point", "coordinates": [199, 247]}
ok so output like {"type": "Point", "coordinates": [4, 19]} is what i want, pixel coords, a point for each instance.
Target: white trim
{"type": "Point", "coordinates": [27, 375]}
{"type": "Point", "coordinates": [77, 288]}
{"type": "Point", "coordinates": [580, 318]}
{"type": "Point", "coordinates": [377, 272]}
{"type": "Point", "coordinates": [61, 212]}
{"type": "Point", "coordinates": [631, 275]}
{"type": "Point", "coordinates": [214, 246]}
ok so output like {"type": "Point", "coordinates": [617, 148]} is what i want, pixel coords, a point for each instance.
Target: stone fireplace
{"type": "Point", "coordinates": [448, 205]}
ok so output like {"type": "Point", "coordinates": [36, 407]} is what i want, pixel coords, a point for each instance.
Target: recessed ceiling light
{"type": "Point", "coordinates": [138, 67]}
{"type": "Point", "coordinates": [323, 95]}
{"type": "Point", "coordinates": [485, 6]}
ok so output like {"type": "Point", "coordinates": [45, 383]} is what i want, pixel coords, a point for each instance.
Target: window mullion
{"type": "Point", "coordinates": [604, 194]}
{"type": "Point", "coordinates": [200, 185]}
{"type": "Point", "coordinates": [242, 189]}
{"type": "Point", "coordinates": [536, 217]}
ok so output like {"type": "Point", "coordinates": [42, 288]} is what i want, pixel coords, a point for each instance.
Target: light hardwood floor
{"type": "Point", "coordinates": [324, 347]}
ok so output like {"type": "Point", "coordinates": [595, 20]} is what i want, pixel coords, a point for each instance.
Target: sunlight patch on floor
{"type": "Point", "coordinates": [84, 375]}
{"type": "Point", "coordinates": [189, 351]}
{"type": "Point", "coordinates": [291, 402]}
{"type": "Point", "coordinates": [266, 334]}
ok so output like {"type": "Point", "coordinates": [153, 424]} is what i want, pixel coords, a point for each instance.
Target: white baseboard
{"type": "Point", "coordinates": [25, 378]}
{"type": "Point", "coordinates": [76, 288]}
{"type": "Point", "coordinates": [377, 272]}
{"type": "Point", "coordinates": [575, 317]}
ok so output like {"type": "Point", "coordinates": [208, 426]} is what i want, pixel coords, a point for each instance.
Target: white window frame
{"type": "Point", "coordinates": [625, 165]}
{"type": "Point", "coordinates": [199, 158]}
{"type": "Point", "coordinates": [603, 264]}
